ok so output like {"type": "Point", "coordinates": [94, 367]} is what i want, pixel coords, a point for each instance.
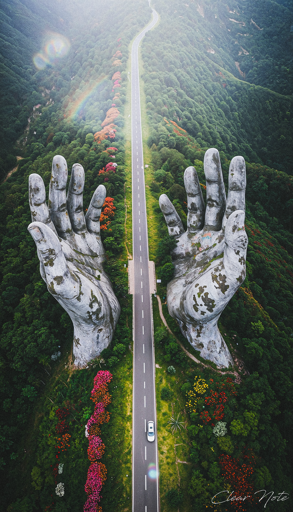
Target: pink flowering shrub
{"type": "Point", "coordinates": [97, 472]}
{"type": "Point", "coordinates": [96, 476]}
{"type": "Point", "coordinates": [96, 448]}
{"type": "Point", "coordinates": [110, 167]}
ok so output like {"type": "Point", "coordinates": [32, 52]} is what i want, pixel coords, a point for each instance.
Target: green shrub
{"type": "Point", "coordinates": [166, 394]}
{"type": "Point", "coordinates": [119, 349]}
{"type": "Point", "coordinates": [174, 498]}
{"type": "Point", "coordinates": [225, 444]}
{"type": "Point", "coordinates": [112, 361]}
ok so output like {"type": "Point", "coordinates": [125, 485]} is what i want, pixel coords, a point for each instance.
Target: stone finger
{"type": "Point", "coordinates": [57, 197]}
{"type": "Point", "coordinates": [195, 203]}
{"type": "Point", "coordinates": [75, 199]}
{"type": "Point", "coordinates": [173, 221]}
{"type": "Point", "coordinates": [94, 210]}
{"type": "Point", "coordinates": [215, 193]}
{"type": "Point", "coordinates": [236, 188]}
{"type": "Point", "coordinates": [37, 199]}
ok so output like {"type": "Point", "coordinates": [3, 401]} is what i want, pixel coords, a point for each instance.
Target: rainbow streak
{"type": "Point", "coordinates": [74, 108]}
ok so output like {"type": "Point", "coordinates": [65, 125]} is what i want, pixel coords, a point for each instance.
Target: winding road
{"type": "Point", "coordinates": [145, 488]}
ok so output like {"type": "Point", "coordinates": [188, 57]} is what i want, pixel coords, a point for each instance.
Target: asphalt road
{"type": "Point", "coordinates": [145, 490]}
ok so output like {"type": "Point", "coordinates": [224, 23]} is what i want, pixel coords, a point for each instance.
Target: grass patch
{"type": "Point", "coordinates": [128, 164]}
{"type": "Point", "coordinates": [172, 447]}
{"type": "Point", "coordinates": [151, 201]}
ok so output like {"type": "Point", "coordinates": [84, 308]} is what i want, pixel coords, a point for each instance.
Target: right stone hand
{"type": "Point", "coordinates": [210, 257]}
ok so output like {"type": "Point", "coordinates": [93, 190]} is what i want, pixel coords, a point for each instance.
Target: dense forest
{"type": "Point", "coordinates": [215, 74]}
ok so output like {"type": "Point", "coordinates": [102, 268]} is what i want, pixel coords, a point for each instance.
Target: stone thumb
{"type": "Point", "coordinates": [60, 281]}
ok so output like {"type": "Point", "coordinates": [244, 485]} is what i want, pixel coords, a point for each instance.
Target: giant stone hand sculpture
{"type": "Point", "coordinates": [71, 257]}
{"type": "Point", "coordinates": [210, 257]}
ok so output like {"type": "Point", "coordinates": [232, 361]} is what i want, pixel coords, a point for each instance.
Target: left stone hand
{"type": "Point", "coordinates": [71, 257]}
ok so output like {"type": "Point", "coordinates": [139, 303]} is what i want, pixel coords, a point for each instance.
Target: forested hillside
{"type": "Point", "coordinates": [75, 104]}
{"type": "Point", "coordinates": [197, 98]}
{"type": "Point", "coordinates": [23, 25]}
{"type": "Point", "coordinates": [191, 78]}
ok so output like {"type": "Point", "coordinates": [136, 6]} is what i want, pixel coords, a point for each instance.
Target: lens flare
{"type": "Point", "coordinates": [55, 47]}
{"type": "Point", "coordinates": [40, 61]}
{"type": "Point", "coordinates": [152, 471]}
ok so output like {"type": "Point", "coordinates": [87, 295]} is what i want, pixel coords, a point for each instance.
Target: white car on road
{"type": "Point", "coordinates": [151, 431]}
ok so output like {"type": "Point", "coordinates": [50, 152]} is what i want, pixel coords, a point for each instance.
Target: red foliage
{"type": "Point", "coordinates": [117, 54]}
{"type": "Point", "coordinates": [112, 113]}
{"type": "Point", "coordinates": [62, 413]}
{"type": "Point", "coordinates": [61, 427]}
{"type": "Point", "coordinates": [215, 398]}
{"type": "Point", "coordinates": [178, 133]}
{"type": "Point", "coordinates": [216, 401]}
{"type": "Point", "coordinates": [116, 76]}
{"type": "Point", "coordinates": [108, 213]}
{"type": "Point", "coordinates": [177, 126]}
{"type": "Point", "coordinates": [55, 472]}
{"type": "Point", "coordinates": [107, 131]}
{"type": "Point", "coordinates": [238, 476]}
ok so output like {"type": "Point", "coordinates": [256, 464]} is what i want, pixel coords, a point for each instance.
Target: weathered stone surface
{"type": "Point", "coordinates": [210, 257]}
{"type": "Point", "coordinates": [71, 257]}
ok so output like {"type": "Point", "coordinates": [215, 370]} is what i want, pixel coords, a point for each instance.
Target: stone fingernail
{"type": "Point", "coordinates": [36, 233]}
{"type": "Point", "coordinates": [166, 205]}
